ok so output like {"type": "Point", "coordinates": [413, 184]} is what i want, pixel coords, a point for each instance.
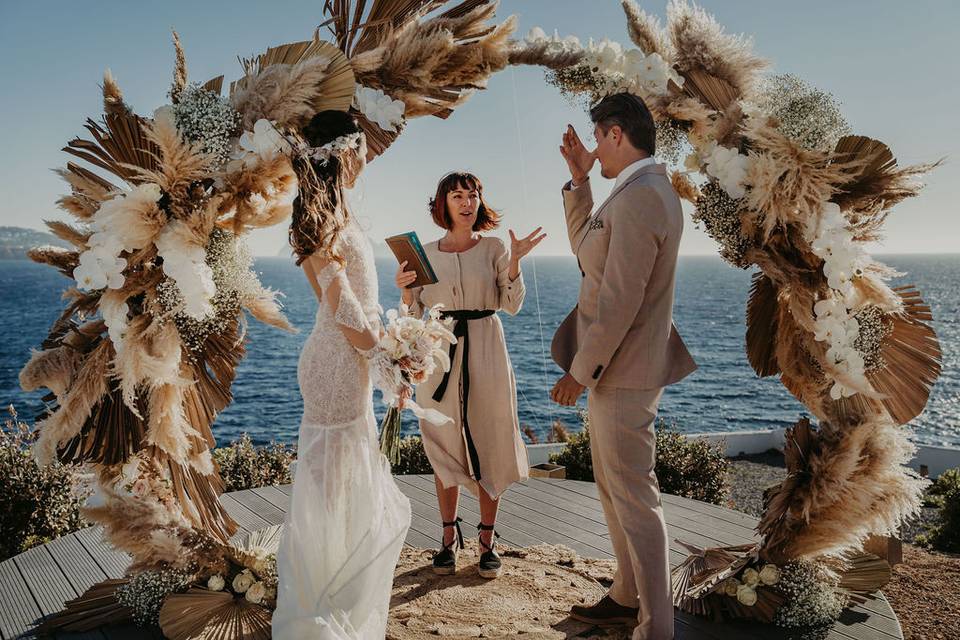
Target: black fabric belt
{"type": "Point", "coordinates": [460, 330]}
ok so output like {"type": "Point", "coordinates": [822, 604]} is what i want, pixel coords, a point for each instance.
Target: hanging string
{"type": "Point", "coordinates": [536, 285]}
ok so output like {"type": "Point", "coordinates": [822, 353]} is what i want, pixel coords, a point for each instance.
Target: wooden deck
{"type": "Point", "coordinates": [38, 582]}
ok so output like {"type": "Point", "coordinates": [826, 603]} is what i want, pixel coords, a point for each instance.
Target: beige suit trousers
{"type": "Point", "coordinates": [623, 450]}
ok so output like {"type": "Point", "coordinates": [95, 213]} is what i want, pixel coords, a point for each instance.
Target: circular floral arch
{"type": "Point", "coordinates": [143, 356]}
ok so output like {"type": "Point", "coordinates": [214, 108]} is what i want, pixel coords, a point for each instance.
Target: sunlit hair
{"type": "Point", "coordinates": [320, 211]}
{"type": "Point", "coordinates": [487, 218]}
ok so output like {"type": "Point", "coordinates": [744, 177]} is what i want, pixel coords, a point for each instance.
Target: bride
{"type": "Point", "coordinates": [347, 519]}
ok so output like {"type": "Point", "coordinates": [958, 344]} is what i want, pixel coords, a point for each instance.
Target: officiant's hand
{"type": "Point", "coordinates": [566, 391]}
{"type": "Point", "coordinates": [579, 159]}
{"type": "Point", "coordinates": [520, 247]}
{"type": "Point", "coordinates": [403, 279]}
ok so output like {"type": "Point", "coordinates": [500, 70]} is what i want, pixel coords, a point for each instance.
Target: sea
{"type": "Point", "coordinates": [723, 395]}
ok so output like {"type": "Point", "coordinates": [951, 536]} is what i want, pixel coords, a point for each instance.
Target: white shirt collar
{"type": "Point", "coordinates": [632, 168]}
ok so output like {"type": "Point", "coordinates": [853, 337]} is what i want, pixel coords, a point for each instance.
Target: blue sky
{"type": "Point", "coordinates": [891, 64]}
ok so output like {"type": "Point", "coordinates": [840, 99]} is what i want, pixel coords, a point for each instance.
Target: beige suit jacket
{"type": "Point", "coordinates": [621, 332]}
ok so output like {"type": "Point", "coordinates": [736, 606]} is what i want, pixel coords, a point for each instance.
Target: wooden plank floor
{"type": "Point", "coordinates": [38, 582]}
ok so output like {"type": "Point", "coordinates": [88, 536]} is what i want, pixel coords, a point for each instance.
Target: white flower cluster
{"type": "Point", "coordinates": [185, 262]}
{"type": "Point", "coordinates": [355, 141]}
{"type": "Point", "coordinates": [408, 353]}
{"type": "Point", "coordinates": [246, 584]}
{"type": "Point", "coordinates": [114, 231]}
{"type": "Point", "coordinates": [206, 117]}
{"type": "Point", "coordinates": [745, 591]}
{"type": "Point", "coordinates": [378, 107]}
{"type": "Point", "coordinates": [616, 69]}
{"type": "Point", "coordinates": [813, 598]}
{"type": "Point", "coordinates": [726, 164]}
{"type": "Point", "coordinates": [261, 144]}
{"type": "Point", "coordinates": [834, 316]}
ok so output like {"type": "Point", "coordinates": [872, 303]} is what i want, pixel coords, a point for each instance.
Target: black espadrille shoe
{"type": "Point", "coordinates": [489, 565]}
{"type": "Point", "coordinates": [445, 560]}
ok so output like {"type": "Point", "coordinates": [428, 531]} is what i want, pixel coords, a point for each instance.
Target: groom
{"type": "Point", "coordinates": [620, 343]}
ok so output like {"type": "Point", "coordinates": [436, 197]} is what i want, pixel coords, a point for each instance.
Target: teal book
{"type": "Point", "coordinates": [407, 247]}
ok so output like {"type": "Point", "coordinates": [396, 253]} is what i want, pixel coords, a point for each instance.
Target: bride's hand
{"type": "Point", "coordinates": [522, 246]}
{"type": "Point", "coordinates": [579, 159]}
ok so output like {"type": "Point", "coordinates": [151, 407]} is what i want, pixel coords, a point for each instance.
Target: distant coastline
{"type": "Point", "coordinates": [16, 241]}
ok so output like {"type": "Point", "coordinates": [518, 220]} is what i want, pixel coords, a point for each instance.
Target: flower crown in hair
{"type": "Point", "coordinates": [333, 148]}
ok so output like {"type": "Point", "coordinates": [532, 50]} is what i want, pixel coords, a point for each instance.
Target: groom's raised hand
{"type": "Point", "coordinates": [579, 159]}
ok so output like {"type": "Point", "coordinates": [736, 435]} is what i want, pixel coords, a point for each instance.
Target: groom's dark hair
{"type": "Point", "coordinates": [630, 113]}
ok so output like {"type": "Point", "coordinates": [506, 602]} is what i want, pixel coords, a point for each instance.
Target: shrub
{"type": "Point", "coordinates": [244, 465]}
{"type": "Point", "coordinates": [946, 482]}
{"type": "Point", "coordinates": [690, 468]}
{"type": "Point", "coordinates": [37, 504]}
{"type": "Point", "coordinates": [945, 535]}
{"type": "Point", "coordinates": [413, 458]}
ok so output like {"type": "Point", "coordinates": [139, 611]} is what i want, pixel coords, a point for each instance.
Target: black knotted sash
{"type": "Point", "coordinates": [460, 330]}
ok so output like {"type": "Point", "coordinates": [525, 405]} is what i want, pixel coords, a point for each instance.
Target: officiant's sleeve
{"type": "Point", "coordinates": [577, 205]}
{"type": "Point", "coordinates": [416, 307]}
{"type": "Point", "coordinates": [637, 228]}
{"type": "Point", "coordinates": [512, 292]}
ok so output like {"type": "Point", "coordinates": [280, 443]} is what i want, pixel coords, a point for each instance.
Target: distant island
{"type": "Point", "coordinates": [16, 241]}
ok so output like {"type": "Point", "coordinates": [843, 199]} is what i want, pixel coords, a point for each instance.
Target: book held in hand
{"type": "Point", "coordinates": [407, 247]}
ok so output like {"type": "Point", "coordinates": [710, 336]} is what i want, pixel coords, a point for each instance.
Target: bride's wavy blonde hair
{"type": "Point", "coordinates": [320, 210]}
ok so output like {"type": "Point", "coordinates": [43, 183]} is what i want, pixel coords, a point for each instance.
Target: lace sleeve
{"type": "Point", "coordinates": [347, 310]}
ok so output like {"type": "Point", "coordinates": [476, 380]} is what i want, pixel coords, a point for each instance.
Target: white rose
{"type": "Point", "coordinates": [216, 583]}
{"type": "Point", "coordinates": [730, 586]}
{"type": "Point", "coordinates": [746, 595]}
{"type": "Point", "coordinates": [243, 581]}
{"type": "Point", "coordinates": [751, 577]}
{"type": "Point", "coordinates": [256, 592]}
{"type": "Point", "coordinates": [770, 574]}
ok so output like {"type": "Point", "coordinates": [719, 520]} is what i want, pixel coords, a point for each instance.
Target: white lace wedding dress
{"type": "Point", "coordinates": [347, 519]}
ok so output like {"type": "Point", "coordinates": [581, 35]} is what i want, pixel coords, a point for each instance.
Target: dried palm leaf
{"type": "Point", "coordinates": [912, 358]}
{"type": "Point", "coordinates": [179, 71]}
{"type": "Point", "coordinates": [864, 573]}
{"type": "Point", "coordinates": [718, 94]}
{"type": "Point", "coordinates": [112, 96]}
{"type": "Point", "coordinates": [122, 148]}
{"type": "Point", "coordinates": [96, 607]}
{"type": "Point", "coordinates": [200, 614]}
{"type": "Point", "coordinates": [264, 541]}
{"type": "Point", "coordinates": [762, 326]}
{"type": "Point", "coordinates": [356, 29]}
{"type": "Point", "coordinates": [214, 84]}
{"type": "Point", "coordinates": [110, 435]}
{"type": "Point", "coordinates": [377, 139]}
{"type": "Point", "coordinates": [198, 497]}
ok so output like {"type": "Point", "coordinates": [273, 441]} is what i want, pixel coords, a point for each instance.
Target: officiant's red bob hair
{"type": "Point", "coordinates": [487, 218]}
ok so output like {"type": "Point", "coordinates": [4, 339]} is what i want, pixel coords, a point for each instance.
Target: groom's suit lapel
{"type": "Point", "coordinates": [650, 168]}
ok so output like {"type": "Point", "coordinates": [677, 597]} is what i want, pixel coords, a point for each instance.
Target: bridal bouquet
{"type": "Point", "coordinates": [408, 353]}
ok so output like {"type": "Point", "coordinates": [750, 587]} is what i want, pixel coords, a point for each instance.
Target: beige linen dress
{"type": "Point", "coordinates": [476, 279]}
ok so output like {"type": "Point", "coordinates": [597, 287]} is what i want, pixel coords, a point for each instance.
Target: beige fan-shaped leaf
{"type": "Point", "coordinates": [200, 614]}
{"type": "Point", "coordinates": [337, 87]}
{"type": "Point", "coordinates": [264, 541]}
{"type": "Point", "coordinates": [912, 359]}
{"type": "Point", "coordinates": [711, 90]}
{"type": "Point", "coordinates": [96, 607]}
{"type": "Point", "coordinates": [865, 573]}
{"type": "Point", "coordinates": [213, 84]}
{"type": "Point", "coordinates": [762, 326]}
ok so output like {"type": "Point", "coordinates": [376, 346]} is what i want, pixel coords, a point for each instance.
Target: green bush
{"type": "Point", "coordinates": [690, 468]}
{"type": "Point", "coordinates": [946, 482]}
{"type": "Point", "coordinates": [244, 465]}
{"type": "Point", "coordinates": [413, 458]}
{"type": "Point", "coordinates": [945, 536]}
{"type": "Point", "coordinates": [37, 504]}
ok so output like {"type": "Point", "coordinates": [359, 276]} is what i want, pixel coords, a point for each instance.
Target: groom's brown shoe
{"type": "Point", "coordinates": [605, 612]}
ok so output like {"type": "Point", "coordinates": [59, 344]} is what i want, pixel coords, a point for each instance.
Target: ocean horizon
{"type": "Point", "coordinates": [723, 395]}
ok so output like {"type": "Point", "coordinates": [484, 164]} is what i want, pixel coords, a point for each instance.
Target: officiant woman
{"type": "Point", "coordinates": [477, 276]}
